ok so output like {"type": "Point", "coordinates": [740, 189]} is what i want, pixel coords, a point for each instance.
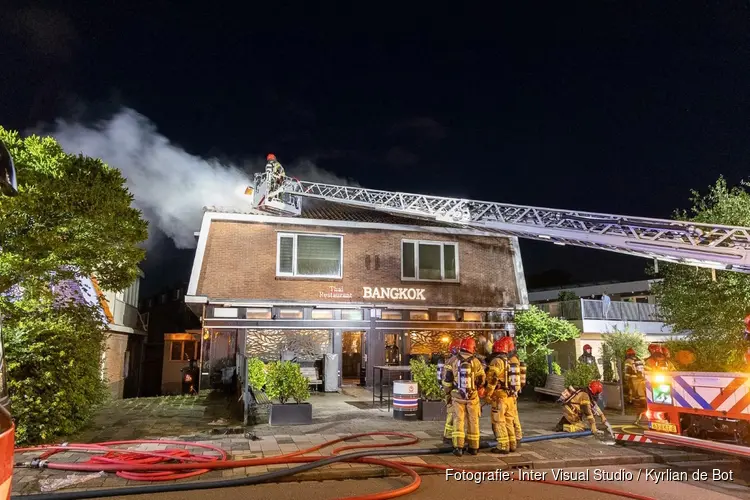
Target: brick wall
{"type": "Point", "coordinates": [240, 263]}
{"type": "Point", "coordinates": [117, 345]}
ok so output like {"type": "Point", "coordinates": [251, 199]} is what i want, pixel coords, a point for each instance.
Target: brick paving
{"type": "Point", "coordinates": [188, 419]}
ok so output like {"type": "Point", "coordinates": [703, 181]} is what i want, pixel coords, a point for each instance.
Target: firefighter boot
{"type": "Point", "coordinates": [560, 424]}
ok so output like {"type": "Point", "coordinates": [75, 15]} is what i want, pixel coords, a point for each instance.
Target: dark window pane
{"type": "Point", "coordinates": [318, 256]}
{"type": "Point", "coordinates": [429, 262]}
{"type": "Point", "coordinates": [449, 259]}
{"type": "Point", "coordinates": [407, 258]}
{"type": "Point", "coordinates": [286, 254]}
{"type": "Point", "coordinates": [176, 351]}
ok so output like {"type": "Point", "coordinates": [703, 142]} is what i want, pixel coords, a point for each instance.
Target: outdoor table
{"type": "Point", "coordinates": [390, 370]}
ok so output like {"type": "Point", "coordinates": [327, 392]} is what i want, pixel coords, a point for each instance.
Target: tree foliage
{"type": "Point", "coordinates": [72, 212]}
{"type": "Point", "coordinates": [535, 331]}
{"type": "Point", "coordinates": [580, 375]}
{"type": "Point", "coordinates": [689, 299]}
{"type": "Point", "coordinates": [72, 215]}
{"type": "Point", "coordinates": [615, 346]}
{"type": "Point", "coordinates": [285, 381]}
{"type": "Point", "coordinates": [53, 355]}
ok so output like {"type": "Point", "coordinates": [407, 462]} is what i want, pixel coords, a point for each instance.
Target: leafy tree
{"type": "Point", "coordinates": [72, 215]}
{"type": "Point", "coordinates": [72, 212]}
{"type": "Point", "coordinates": [616, 344]}
{"type": "Point", "coordinates": [691, 301]}
{"type": "Point", "coordinates": [566, 295]}
{"type": "Point", "coordinates": [580, 375]}
{"type": "Point", "coordinates": [53, 356]}
{"type": "Point", "coordinates": [535, 331]}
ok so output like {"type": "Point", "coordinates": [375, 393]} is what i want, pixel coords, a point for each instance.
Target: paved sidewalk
{"type": "Point", "coordinates": [565, 452]}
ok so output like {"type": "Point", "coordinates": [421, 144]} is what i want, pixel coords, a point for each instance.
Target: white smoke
{"type": "Point", "coordinates": [169, 185]}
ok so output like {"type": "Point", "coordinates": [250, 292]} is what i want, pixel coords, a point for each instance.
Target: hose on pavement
{"type": "Point", "coordinates": [149, 466]}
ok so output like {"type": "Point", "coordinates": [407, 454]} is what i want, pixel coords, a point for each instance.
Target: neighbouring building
{"type": "Point", "coordinates": [370, 287]}
{"type": "Point", "coordinates": [631, 306]}
{"type": "Point", "coordinates": [173, 337]}
{"type": "Point", "coordinates": [122, 360]}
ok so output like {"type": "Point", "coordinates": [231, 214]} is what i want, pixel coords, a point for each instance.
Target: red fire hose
{"type": "Point", "coordinates": [152, 465]}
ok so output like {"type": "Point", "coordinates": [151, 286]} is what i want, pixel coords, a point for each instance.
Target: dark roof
{"type": "Point", "coordinates": [326, 210]}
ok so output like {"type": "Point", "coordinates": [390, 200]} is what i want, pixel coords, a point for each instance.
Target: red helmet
{"type": "Point", "coordinates": [587, 347]}
{"type": "Point", "coordinates": [630, 352]}
{"type": "Point", "coordinates": [271, 157]}
{"type": "Point", "coordinates": [468, 345]}
{"type": "Point", "coordinates": [503, 345]}
{"type": "Point", "coordinates": [455, 346]}
{"type": "Point", "coordinates": [595, 387]}
{"type": "Point", "coordinates": [654, 348]}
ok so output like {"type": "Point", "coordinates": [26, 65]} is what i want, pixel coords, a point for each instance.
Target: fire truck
{"type": "Point", "coordinates": [684, 408]}
{"type": "Point", "coordinates": [8, 187]}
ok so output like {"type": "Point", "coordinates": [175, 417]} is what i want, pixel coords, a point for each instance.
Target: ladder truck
{"type": "Point", "coordinates": [679, 403]}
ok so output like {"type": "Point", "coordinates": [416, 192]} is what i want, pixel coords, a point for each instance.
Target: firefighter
{"type": "Point", "coordinates": [449, 365]}
{"type": "Point", "coordinates": [588, 358]}
{"type": "Point", "coordinates": [465, 380]}
{"type": "Point", "coordinates": [515, 360]}
{"type": "Point", "coordinates": [274, 168]}
{"type": "Point", "coordinates": [635, 382]}
{"type": "Point", "coordinates": [483, 348]}
{"type": "Point", "coordinates": [503, 381]}
{"type": "Point", "coordinates": [667, 361]}
{"type": "Point", "coordinates": [580, 405]}
{"type": "Point", "coordinates": [656, 358]}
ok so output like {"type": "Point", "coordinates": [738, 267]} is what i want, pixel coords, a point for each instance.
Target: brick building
{"type": "Point", "coordinates": [372, 287]}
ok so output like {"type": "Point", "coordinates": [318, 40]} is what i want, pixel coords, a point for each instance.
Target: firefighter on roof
{"type": "Point", "coordinates": [443, 367]}
{"type": "Point", "coordinates": [465, 381]}
{"type": "Point", "coordinates": [503, 383]}
{"type": "Point", "coordinates": [635, 381]}
{"type": "Point", "coordinates": [580, 405]}
{"type": "Point", "coordinates": [588, 358]}
{"type": "Point", "coordinates": [274, 168]}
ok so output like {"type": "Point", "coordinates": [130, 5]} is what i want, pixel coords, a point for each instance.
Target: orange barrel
{"type": "Point", "coordinates": [405, 400]}
{"type": "Point", "coordinates": [7, 431]}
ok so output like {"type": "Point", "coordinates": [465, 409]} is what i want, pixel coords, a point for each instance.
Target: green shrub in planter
{"type": "Point", "coordinates": [299, 388]}
{"type": "Point", "coordinates": [285, 381]}
{"type": "Point", "coordinates": [256, 374]}
{"type": "Point", "coordinates": [580, 375]}
{"type": "Point", "coordinates": [425, 375]}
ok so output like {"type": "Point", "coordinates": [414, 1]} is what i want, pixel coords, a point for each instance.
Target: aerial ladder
{"type": "Point", "coordinates": [705, 245]}
{"type": "Point", "coordinates": [713, 246]}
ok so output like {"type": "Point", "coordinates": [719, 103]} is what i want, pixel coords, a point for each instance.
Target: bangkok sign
{"type": "Point", "coordinates": [394, 293]}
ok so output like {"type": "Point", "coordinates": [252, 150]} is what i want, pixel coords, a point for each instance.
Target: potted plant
{"type": "Point", "coordinates": [256, 376]}
{"type": "Point", "coordinates": [284, 382]}
{"type": "Point", "coordinates": [431, 396]}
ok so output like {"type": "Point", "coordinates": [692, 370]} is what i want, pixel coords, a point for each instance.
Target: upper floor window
{"type": "Point", "coordinates": [429, 261]}
{"type": "Point", "coordinates": [309, 255]}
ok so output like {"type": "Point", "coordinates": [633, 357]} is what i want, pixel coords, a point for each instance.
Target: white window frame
{"type": "Point", "coordinates": [442, 245]}
{"type": "Point", "coordinates": [294, 274]}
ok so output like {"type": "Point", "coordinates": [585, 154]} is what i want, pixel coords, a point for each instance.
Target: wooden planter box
{"type": "Point", "coordinates": [290, 414]}
{"type": "Point", "coordinates": [431, 410]}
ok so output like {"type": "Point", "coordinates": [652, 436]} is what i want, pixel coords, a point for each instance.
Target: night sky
{"type": "Point", "coordinates": [602, 106]}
